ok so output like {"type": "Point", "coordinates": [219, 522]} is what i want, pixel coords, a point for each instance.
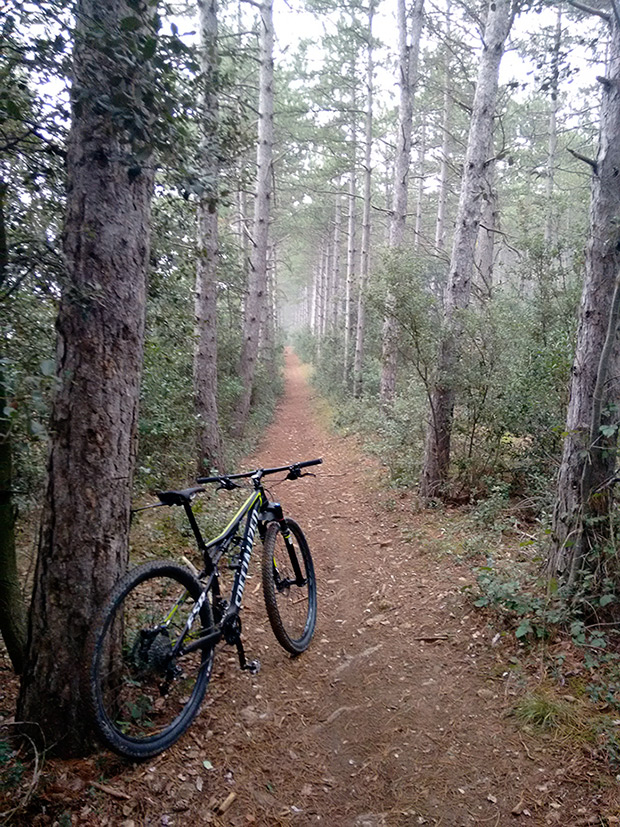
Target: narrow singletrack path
{"type": "Point", "coordinates": [399, 712]}
{"type": "Point", "coordinates": [396, 715]}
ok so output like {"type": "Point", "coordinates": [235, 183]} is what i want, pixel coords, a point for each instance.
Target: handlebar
{"type": "Point", "coordinates": [294, 472]}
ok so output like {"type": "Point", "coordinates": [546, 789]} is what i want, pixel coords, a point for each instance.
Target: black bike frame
{"type": "Point", "coordinates": [258, 511]}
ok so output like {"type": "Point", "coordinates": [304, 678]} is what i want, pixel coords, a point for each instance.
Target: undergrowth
{"type": "Point", "coordinates": [571, 641]}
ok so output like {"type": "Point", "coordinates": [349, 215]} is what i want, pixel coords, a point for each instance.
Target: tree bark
{"type": "Point", "coordinates": [417, 231]}
{"type": "Point", "coordinates": [485, 244]}
{"type": "Point", "coordinates": [208, 436]}
{"type": "Point", "coordinates": [437, 449]}
{"type": "Point", "coordinates": [408, 77]}
{"type": "Point", "coordinates": [588, 457]}
{"type": "Point", "coordinates": [267, 346]}
{"type": "Point", "coordinates": [12, 614]}
{"type": "Point", "coordinates": [365, 244]}
{"type": "Point", "coordinates": [442, 198]}
{"type": "Point", "coordinates": [336, 289]}
{"type": "Point", "coordinates": [350, 275]}
{"type": "Point", "coordinates": [550, 228]}
{"type": "Point", "coordinates": [85, 523]}
{"type": "Point", "coordinates": [257, 281]}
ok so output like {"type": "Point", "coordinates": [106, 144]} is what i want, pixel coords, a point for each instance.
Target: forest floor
{"type": "Point", "coordinates": [399, 713]}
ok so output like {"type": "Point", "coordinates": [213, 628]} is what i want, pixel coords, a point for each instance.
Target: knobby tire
{"type": "Point", "coordinates": [136, 689]}
{"type": "Point", "coordinates": [291, 608]}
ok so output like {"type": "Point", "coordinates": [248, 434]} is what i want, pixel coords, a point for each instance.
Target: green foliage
{"type": "Point", "coordinates": [521, 601]}
{"type": "Point", "coordinates": [513, 372]}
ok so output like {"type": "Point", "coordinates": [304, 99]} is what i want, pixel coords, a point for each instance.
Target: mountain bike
{"type": "Point", "coordinates": [153, 648]}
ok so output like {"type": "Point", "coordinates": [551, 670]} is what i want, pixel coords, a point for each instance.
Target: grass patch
{"type": "Point", "coordinates": [571, 721]}
{"type": "Point", "coordinates": [543, 710]}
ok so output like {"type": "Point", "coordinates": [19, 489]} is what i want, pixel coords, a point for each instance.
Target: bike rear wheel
{"type": "Point", "coordinates": [290, 600]}
{"type": "Point", "coordinates": [142, 697]}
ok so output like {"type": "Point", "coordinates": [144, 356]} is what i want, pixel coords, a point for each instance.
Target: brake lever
{"type": "Point", "coordinates": [296, 473]}
{"type": "Point", "coordinates": [227, 485]}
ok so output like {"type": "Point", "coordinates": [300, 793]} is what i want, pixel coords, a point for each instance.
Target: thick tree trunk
{"type": "Point", "coordinates": [208, 436]}
{"type": "Point", "coordinates": [437, 449]}
{"type": "Point", "coordinates": [85, 522]}
{"type": "Point", "coordinates": [407, 79]}
{"type": "Point", "coordinates": [365, 245]}
{"type": "Point", "coordinates": [257, 281]}
{"type": "Point", "coordinates": [12, 614]}
{"type": "Point", "coordinates": [588, 458]}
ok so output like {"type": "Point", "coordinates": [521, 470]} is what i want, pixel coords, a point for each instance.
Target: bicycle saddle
{"type": "Point", "coordinates": [178, 497]}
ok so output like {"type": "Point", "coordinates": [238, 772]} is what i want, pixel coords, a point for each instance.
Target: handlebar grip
{"type": "Point", "coordinates": [309, 462]}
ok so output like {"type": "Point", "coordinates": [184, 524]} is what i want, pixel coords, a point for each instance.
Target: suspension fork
{"type": "Point", "coordinates": [286, 536]}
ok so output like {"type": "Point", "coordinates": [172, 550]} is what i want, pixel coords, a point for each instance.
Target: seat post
{"type": "Point", "coordinates": [194, 525]}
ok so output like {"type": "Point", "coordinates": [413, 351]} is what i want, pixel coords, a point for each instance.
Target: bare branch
{"type": "Point", "coordinates": [590, 10]}
{"type": "Point", "coordinates": [585, 159]}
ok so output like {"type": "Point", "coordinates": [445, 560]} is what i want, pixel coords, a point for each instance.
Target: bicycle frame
{"type": "Point", "coordinates": [257, 510]}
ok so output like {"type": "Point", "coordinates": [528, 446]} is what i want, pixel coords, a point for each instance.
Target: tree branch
{"type": "Point", "coordinates": [590, 10]}
{"type": "Point", "coordinates": [585, 159]}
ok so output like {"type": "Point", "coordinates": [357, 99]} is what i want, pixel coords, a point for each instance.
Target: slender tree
{"type": "Point", "coordinates": [442, 196]}
{"type": "Point", "coordinates": [12, 613]}
{"type": "Point", "coordinates": [350, 274]}
{"type": "Point", "coordinates": [554, 92]}
{"type": "Point", "coordinates": [257, 282]}
{"type": "Point", "coordinates": [437, 449]}
{"type": "Point", "coordinates": [209, 440]}
{"type": "Point", "coordinates": [365, 242]}
{"type": "Point", "coordinates": [85, 521]}
{"type": "Point", "coordinates": [407, 79]}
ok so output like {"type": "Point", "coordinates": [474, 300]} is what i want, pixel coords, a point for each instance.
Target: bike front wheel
{"type": "Point", "coordinates": [289, 585]}
{"type": "Point", "coordinates": [143, 695]}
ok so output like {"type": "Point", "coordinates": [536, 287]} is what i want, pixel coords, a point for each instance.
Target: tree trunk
{"type": "Point", "coordinates": [417, 231]}
{"type": "Point", "coordinates": [12, 614]}
{"type": "Point", "coordinates": [257, 281]}
{"type": "Point", "coordinates": [314, 310]}
{"type": "Point", "coordinates": [208, 437]}
{"type": "Point", "coordinates": [550, 228]}
{"type": "Point", "coordinates": [348, 288]}
{"type": "Point", "coordinates": [485, 244]}
{"type": "Point", "coordinates": [85, 521]}
{"type": "Point", "coordinates": [365, 246]}
{"type": "Point", "coordinates": [588, 458]}
{"type": "Point", "coordinates": [437, 449]}
{"type": "Point", "coordinates": [442, 198]}
{"type": "Point", "coordinates": [408, 77]}
{"type": "Point", "coordinates": [336, 289]}
{"type": "Point", "coordinates": [267, 346]}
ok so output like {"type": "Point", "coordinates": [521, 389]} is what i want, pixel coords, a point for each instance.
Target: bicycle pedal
{"type": "Point", "coordinates": [252, 666]}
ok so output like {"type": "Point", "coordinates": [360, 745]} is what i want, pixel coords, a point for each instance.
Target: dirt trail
{"type": "Point", "coordinates": [396, 715]}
